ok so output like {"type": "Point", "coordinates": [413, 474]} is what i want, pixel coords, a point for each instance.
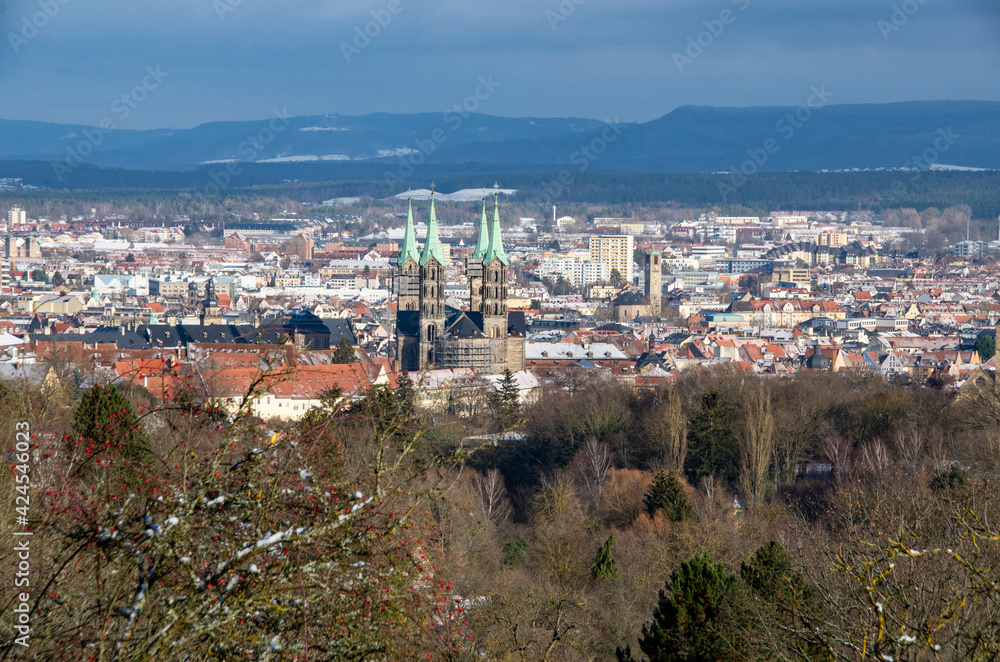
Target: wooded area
{"type": "Point", "coordinates": [826, 517]}
{"type": "Point", "coordinates": [314, 183]}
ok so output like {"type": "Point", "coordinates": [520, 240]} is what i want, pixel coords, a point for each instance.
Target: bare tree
{"type": "Point", "coordinates": [837, 452]}
{"type": "Point", "coordinates": [756, 442]}
{"type": "Point", "coordinates": [492, 495]}
{"type": "Point", "coordinates": [595, 466]}
{"type": "Point", "coordinates": [874, 457]}
{"type": "Point", "coordinates": [666, 426]}
{"type": "Point", "coordinates": [910, 446]}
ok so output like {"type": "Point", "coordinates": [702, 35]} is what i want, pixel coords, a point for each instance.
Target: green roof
{"type": "Point", "coordinates": [432, 248]}
{"type": "Point", "coordinates": [495, 249]}
{"type": "Point", "coordinates": [409, 249]}
{"type": "Point", "coordinates": [482, 243]}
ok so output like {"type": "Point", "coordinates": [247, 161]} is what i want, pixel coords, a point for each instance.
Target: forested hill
{"type": "Point", "coordinates": [764, 191]}
{"type": "Point", "coordinates": [688, 139]}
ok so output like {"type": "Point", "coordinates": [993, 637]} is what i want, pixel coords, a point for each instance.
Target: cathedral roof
{"type": "Point", "coordinates": [432, 249]}
{"type": "Point", "coordinates": [483, 241]}
{"type": "Point", "coordinates": [409, 248]}
{"type": "Point", "coordinates": [464, 327]}
{"type": "Point", "coordinates": [630, 298]}
{"type": "Point", "coordinates": [495, 249]}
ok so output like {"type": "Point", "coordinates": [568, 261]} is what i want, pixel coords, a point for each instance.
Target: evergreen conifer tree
{"type": "Point", "coordinates": [698, 617]}
{"type": "Point", "coordinates": [506, 401]}
{"type": "Point", "coordinates": [712, 447]}
{"type": "Point", "coordinates": [344, 353]}
{"type": "Point", "coordinates": [105, 417]}
{"type": "Point", "coordinates": [667, 494]}
{"type": "Point", "coordinates": [604, 566]}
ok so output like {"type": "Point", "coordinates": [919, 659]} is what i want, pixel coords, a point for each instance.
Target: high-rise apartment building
{"type": "Point", "coordinates": [16, 217]}
{"type": "Point", "coordinates": [616, 251]}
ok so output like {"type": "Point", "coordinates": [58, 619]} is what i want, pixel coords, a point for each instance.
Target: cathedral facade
{"type": "Point", "coordinates": [430, 334]}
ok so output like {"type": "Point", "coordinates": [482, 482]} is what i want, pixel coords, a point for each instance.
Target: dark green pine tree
{"type": "Point", "coordinates": [106, 418]}
{"type": "Point", "coordinates": [344, 352]}
{"type": "Point", "coordinates": [406, 394]}
{"type": "Point", "coordinates": [770, 574]}
{"type": "Point", "coordinates": [604, 566]}
{"type": "Point", "coordinates": [667, 494]}
{"type": "Point", "coordinates": [985, 346]}
{"type": "Point", "coordinates": [698, 617]}
{"type": "Point", "coordinates": [712, 447]}
{"type": "Point", "coordinates": [783, 597]}
{"type": "Point", "coordinates": [506, 401]}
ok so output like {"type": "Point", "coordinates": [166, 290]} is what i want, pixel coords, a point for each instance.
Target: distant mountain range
{"type": "Point", "coordinates": [689, 139]}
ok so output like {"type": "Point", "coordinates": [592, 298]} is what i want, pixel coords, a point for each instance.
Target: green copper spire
{"type": "Point", "coordinates": [432, 248]}
{"type": "Point", "coordinates": [409, 249]}
{"type": "Point", "coordinates": [482, 243]}
{"type": "Point", "coordinates": [495, 249]}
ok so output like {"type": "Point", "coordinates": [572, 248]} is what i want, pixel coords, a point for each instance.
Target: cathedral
{"type": "Point", "coordinates": [430, 334]}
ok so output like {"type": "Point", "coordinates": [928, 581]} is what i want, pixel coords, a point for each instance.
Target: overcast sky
{"type": "Point", "coordinates": [239, 59]}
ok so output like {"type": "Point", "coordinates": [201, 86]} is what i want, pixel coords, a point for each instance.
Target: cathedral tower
{"type": "Point", "coordinates": [474, 265]}
{"type": "Point", "coordinates": [495, 268]}
{"type": "Point", "coordinates": [408, 268]}
{"type": "Point", "coordinates": [432, 311]}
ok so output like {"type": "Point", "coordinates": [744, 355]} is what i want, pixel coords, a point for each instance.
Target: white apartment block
{"type": "Point", "coordinates": [616, 251]}
{"type": "Point", "coordinates": [707, 255]}
{"type": "Point", "coordinates": [16, 216]}
{"type": "Point", "coordinates": [578, 272]}
{"type": "Point", "coordinates": [737, 220]}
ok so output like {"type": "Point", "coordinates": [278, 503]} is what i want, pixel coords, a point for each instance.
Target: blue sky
{"type": "Point", "coordinates": [238, 59]}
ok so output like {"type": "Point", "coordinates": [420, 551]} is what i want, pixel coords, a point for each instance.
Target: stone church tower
{"type": "Point", "coordinates": [487, 337]}
{"type": "Point", "coordinates": [432, 313]}
{"type": "Point", "coordinates": [654, 283]}
{"type": "Point", "coordinates": [494, 305]}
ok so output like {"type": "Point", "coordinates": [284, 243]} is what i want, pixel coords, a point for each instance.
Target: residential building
{"type": "Point", "coordinates": [616, 251]}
